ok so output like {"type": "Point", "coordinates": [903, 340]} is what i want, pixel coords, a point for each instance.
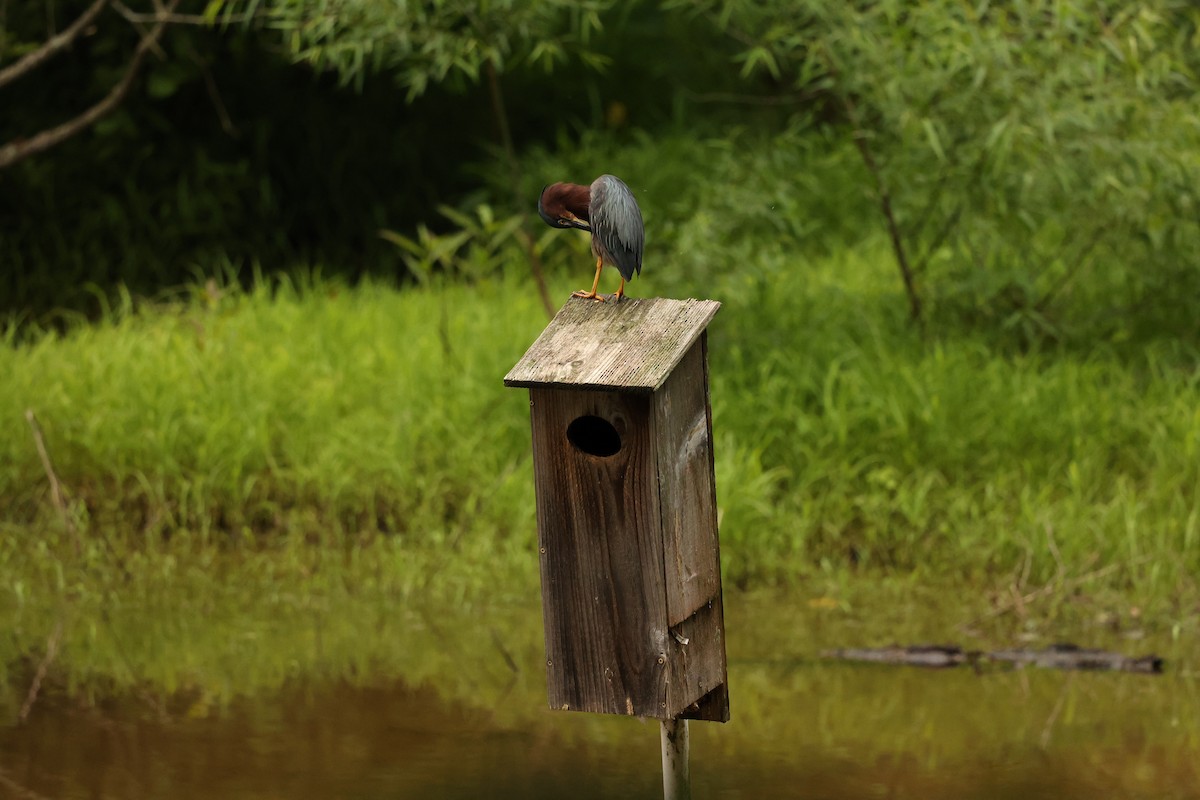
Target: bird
{"type": "Point", "coordinates": [608, 210]}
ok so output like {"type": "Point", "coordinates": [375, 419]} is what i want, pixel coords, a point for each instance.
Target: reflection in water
{"type": "Point", "coordinates": [801, 728]}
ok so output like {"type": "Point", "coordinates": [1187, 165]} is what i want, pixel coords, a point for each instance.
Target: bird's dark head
{"type": "Point", "coordinates": [565, 205]}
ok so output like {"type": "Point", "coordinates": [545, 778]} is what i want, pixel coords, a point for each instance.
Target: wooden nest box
{"type": "Point", "coordinates": [626, 509]}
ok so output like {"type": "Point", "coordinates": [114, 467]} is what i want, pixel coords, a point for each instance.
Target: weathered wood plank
{"type": "Point", "coordinates": [626, 506]}
{"type": "Point", "coordinates": [713, 707]}
{"type": "Point", "coordinates": [685, 468]}
{"type": "Point", "coordinates": [628, 346]}
{"type": "Point", "coordinates": [697, 668]}
{"type": "Point", "coordinates": [604, 603]}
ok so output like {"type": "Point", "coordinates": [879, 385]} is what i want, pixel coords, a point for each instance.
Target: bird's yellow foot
{"type": "Point", "coordinates": [592, 295]}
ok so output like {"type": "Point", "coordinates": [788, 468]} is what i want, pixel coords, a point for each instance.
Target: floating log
{"type": "Point", "coordinates": [921, 655]}
{"type": "Point", "coordinates": [1070, 656]}
{"type": "Point", "coordinates": [1056, 656]}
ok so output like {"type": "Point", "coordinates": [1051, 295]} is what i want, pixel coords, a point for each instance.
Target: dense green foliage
{"type": "Point", "coordinates": [1037, 160]}
{"type": "Point", "coordinates": [1034, 163]}
{"type": "Point", "coordinates": [202, 167]}
{"type": "Point", "coordinates": [427, 44]}
{"type": "Point", "coordinates": [226, 153]}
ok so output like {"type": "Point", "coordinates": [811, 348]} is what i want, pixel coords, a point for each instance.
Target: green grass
{"type": "Point", "coordinates": [865, 441]}
{"type": "Point", "coordinates": [324, 409]}
{"type": "Point", "coordinates": [265, 478]}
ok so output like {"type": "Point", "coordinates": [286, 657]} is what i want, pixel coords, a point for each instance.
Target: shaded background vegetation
{"type": "Point", "coordinates": [1032, 165]}
{"type": "Point", "coordinates": [228, 153]}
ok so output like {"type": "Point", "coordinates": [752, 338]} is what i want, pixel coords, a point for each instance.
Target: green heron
{"type": "Point", "coordinates": [608, 211]}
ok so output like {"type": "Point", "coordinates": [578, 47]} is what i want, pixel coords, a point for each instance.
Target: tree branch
{"type": "Point", "coordinates": [918, 228]}
{"type": "Point", "coordinates": [951, 221]}
{"type": "Point", "coordinates": [938, 239]}
{"type": "Point", "coordinates": [885, 205]}
{"type": "Point", "coordinates": [176, 19]}
{"type": "Point", "coordinates": [1070, 272]}
{"type": "Point", "coordinates": [21, 149]}
{"type": "Point", "coordinates": [882, 191]}
{"type": "Point", "coordinates": [124, 11]}
{"type": "Point", "coordinates": [53, 46]}
{"type": "Point", "coordinates": [214, 94]}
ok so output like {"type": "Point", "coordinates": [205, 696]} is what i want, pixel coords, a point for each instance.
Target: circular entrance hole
{"type": "Point", "coordinates": [595, 436]}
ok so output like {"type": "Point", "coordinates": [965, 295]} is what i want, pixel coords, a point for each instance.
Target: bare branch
{"type": "Point", "coordinates": [885, 205]}
{"type": "Point", "coordinates": [53, 46]}
{"type": "Point", "coordinates": [1077, 266]}
{"type": "Point", "coordinates": [40, 674]}
{"type": "Point", "coordinates": [882, 191]}
{"type": "Point", "coordinates": [939, 238]}
{"type": "Point", "coordinates": [214, 95]}
{"type": "Point", "coordinates": [21, 149]}
{"type": "Point", "coordinates": [951, 220]}
{"type": "Point", "coordinates": [935, 195]}
{"type": "Point", "coordinates": [125, 12]}
{"type": "Point", "coordinates": [165, 15]}
{"type": "Point", "coordinates": [56, 492]}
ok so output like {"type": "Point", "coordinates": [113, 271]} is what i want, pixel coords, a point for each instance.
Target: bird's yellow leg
{"type": "Point", "coordinates": [592, 294]}
{"type": "Point", "coordinates": [620, 290]}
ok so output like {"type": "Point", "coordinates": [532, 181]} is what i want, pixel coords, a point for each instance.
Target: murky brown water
{"type": "Point", "coordinates": [801, 727]}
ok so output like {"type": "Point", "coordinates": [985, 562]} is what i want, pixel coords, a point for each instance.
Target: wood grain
{"type": "Point", "coordinates": [698, 679]}
{"type": "Point", "coordinates": [603, 599]}
{"type": "Point", "coordinates": [628, 346]}
{"type": "Point", "coordinates": [692, 559]}
{"type": "Point", "coordinates": [688, 496]}
{"type": "Point", "coordinates": [626, 508]}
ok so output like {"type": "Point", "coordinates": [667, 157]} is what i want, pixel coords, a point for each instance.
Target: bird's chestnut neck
{"type": "Point", "coordinates": [566, 200]}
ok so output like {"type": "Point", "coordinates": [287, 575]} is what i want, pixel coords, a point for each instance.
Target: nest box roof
{"type": "Point", "coordinates": [630, 346]}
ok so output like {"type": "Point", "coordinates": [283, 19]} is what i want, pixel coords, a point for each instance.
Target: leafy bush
{"type": "Point", "coordinates": [427, 44]}
{"type": "Point", "coordinates": [1034, 162]}
{"type": "Point", "coordinates": [228, 152]}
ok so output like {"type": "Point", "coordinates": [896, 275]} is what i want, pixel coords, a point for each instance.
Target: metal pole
{"type": "Point", "coordinates": [677, 782]}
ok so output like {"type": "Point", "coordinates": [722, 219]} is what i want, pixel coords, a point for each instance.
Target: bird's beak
{"type": "Point", "coordinates": [549, 220]}
{"type": "Point", "coordinates": [575, 222]}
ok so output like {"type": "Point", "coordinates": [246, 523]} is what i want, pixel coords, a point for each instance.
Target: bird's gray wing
{"type": "Point", "coordinates": [617, 223]}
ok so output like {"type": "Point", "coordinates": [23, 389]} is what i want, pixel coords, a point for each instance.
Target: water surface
{"type": "Point", "coordinates": [801, 726]}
